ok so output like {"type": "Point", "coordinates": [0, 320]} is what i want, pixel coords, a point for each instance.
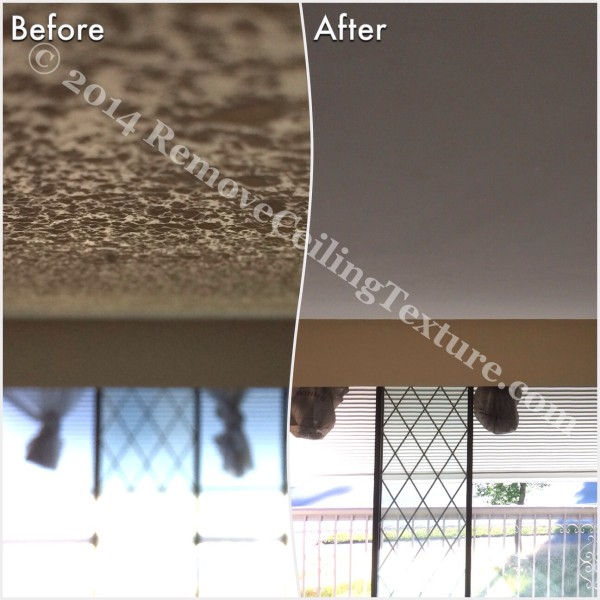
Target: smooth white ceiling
{"type": "Point", "coordinates": [457, 158]}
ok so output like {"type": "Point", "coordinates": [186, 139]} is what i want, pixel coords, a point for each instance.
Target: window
{"type": "Point", "coordinates": [140, 503]}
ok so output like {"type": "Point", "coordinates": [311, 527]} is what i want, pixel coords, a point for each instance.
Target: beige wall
{"type": "Point", "coordinates": [382, 352]}
{"type": "Point", "coordinates": [220, 352]}
{"type": "Point", "coordinates": [258, 352]}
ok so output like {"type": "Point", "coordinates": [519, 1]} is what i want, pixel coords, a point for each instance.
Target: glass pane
{"type": "Point", "coordinates": [42, 503]}
{"type": "Point", "coordinates": [262, 570]}
{"type": "Point", "coordinates": [262, 411]}
{"type": "Point", "coordinates": [530, 551]}
{"type": "Point", "coordinates": [48, 570]}
{"type": "Point", "coordinates": [147, 439]}
{"type": "Point", "coordinates": [423, 492]}
{"type": "Point", "coordinates": [145, 545]}
{"type": "Point", "coordinates": [47, 513]}
{"type": "Point", "coordinates": [243, 520]}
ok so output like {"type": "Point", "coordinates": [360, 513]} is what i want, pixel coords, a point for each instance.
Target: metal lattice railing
{"type": "Point", "coordinates": [147, 436]}
{"type": "Point", "coordinates": [517, 551]}
{"type": "Point", "coordinates": [424, 471]}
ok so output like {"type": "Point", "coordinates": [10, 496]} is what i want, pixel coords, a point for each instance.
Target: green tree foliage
{"type": "Point", "coordinates": [505, 493]}
{"type": "Point", "coordinates": [502, 493]}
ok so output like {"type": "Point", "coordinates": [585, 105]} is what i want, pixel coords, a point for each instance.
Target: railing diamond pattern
{"type": "Point", "coordinates": [147, 438]}
{"type": "Point", "coordinates": [423, 512]}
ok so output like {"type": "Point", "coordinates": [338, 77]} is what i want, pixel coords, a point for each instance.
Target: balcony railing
{"type": "Point", "coordinates": [517, 551]}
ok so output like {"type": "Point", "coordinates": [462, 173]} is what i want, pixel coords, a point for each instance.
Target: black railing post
{"type": "Point", "coordinates": [469, 515]}
{"type": "Point", "coordinates": [97, 442]}
{"type": "Point", "coordinates": [97, 452]}
{"type": "Point", "coordinates": [377, 488]}
{"type": "Point", "coordinates": [284, 437]}
{"type": "Point", "coordinates": [196, 441]}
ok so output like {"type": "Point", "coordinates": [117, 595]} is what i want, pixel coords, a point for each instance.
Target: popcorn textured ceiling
{"type": "Point", "coordinates": [101, 224]}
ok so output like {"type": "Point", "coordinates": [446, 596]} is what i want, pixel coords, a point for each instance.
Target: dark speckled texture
{"type": "Point", "coordinates": [97, 224]}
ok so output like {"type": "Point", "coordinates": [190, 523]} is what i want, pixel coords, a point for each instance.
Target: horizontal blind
{"type": "Point", "coordinates": [347, 449]}
{"type": "Point", "coordinates": [537, 448]}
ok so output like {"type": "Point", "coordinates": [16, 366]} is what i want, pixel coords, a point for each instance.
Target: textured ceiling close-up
{"type": "Point", "coordinates": [97, 223]}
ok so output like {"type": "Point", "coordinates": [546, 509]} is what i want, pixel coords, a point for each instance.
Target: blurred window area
{"type": "Point", "coordinates": [145, 492]}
